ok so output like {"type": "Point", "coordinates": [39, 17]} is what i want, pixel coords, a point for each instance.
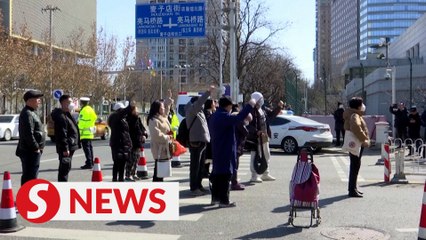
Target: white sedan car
{"type": "Point", "coordinates": [9, 125]}
{"type": "Point", "coordinates": [291, 132]}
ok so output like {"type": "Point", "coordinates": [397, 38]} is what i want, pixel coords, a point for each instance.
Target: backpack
{"type": "Point", "coordinates": [183, 132]}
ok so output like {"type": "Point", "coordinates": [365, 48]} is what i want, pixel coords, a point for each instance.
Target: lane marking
{"type": "Point", "coordinates": [346, 161]}
{"type": "Point", "coordinates": [56, 159]}
{"type": "Point", "coordinates": [77, 234]}
{"type": "Point", "coordinates": [339, 169]}
{"type": "Point", "coordinates": [406, 230]}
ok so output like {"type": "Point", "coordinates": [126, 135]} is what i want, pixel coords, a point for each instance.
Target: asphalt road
{"type": "Point", "coordinates": [387, 211]}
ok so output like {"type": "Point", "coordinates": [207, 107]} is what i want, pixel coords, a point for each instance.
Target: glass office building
{"type": "Point", "coordinates": [386, 18]}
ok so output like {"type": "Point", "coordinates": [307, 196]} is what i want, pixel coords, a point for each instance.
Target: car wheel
{"type": "Point", "coordinates": [106, 134]}
{"type": "Point", "coordinates": [7, 135]}
{"type": "Point", "coordinates": [289, 145]}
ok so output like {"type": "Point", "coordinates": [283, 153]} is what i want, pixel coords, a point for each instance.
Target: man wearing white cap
{"type": "Point", "coordinates": [259, 134]}
{"type": "Point", "coordinates": [86, 124]}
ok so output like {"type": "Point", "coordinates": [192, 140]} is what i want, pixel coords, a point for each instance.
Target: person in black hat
{"type": "Point", "coordinates": [31, 136]}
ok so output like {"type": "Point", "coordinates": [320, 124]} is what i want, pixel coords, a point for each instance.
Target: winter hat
{"type": "Point", "coordinates": [256, 96]}
{"type": "Point", "coordinates": [118, 106]}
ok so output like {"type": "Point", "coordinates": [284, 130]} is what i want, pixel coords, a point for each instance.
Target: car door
{"type": "Point", "coordinates": [279, 129]}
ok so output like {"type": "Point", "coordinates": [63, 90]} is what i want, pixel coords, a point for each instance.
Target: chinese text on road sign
{"type": "Point", "coordinates": [170, 20]}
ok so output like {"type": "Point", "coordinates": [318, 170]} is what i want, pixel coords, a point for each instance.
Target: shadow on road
{"type": "Point", "coordinates": [278, 232]}
{"type": "Point", "coordinates": [141, 224]}
{"type": "Point", "coordinates": [322, 203]}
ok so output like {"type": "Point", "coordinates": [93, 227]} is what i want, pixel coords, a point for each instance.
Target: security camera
{"type": "Point", "coordinates": [387, 76]}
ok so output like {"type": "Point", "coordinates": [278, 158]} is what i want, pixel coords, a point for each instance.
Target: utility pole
{"type": "Point", "coordinates": [51, 9]}
{"type": "Point", "coordinates": [233, 52]}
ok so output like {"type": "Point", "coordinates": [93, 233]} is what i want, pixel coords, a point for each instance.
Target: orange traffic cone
{"type": "Point", "coordinates": [142, 170]}
{"type": "Point", "coordinates": [96, 172]}
{"type": "Point", "coordinates": [422, 225]}
{"type": "Point", "coordinates": [8, 222]}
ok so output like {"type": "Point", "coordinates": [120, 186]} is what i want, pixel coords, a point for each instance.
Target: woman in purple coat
{"type": "Point", "coordinates": [224, 148]}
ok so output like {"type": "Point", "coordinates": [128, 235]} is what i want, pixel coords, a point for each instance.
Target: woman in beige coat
{"type": "Point", "coordinates": [160, 131]}
{"type": "Point", "coordinates": [356, 124]}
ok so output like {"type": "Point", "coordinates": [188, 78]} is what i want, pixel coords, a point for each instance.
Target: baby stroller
{"type": "Point", "coordinates": [304, 187]}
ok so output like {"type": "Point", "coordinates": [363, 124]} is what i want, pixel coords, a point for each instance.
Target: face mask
{"type": "Point", "coordinates": [71, 106]}
{"type": "Point", "coordinates": [261, 102]}
{"type": "Point", "coordinates": [340, 106]}
{"type": "Point", "coordinates": [363, 108]}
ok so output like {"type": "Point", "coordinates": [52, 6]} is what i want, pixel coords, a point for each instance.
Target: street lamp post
{"type": "Point", "coordinates": [297, 95]}
{"type": "Point", "coordinates": [411, 82]}
{"type": "Point", "coordinates": [363, 94]}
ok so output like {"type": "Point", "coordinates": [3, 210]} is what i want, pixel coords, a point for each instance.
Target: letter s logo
{"type": "Point", "coordinates": [38, 201]}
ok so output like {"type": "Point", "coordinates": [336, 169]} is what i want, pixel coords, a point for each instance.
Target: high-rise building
{"type": "Point", "coordinates": [68, 16]}
{"type": "Point", "coordinates": [386, 19]}
{"type": "Point", "coordinates": [322, 49]}
{"type": "Point", "coordinates": [344, 37]}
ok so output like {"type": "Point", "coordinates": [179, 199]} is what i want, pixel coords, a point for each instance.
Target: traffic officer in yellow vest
{"type": "Point", "coordinates": [86, 124]}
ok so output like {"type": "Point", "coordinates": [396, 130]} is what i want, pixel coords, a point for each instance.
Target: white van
{"type": "Point", "coordinates": [182, 99]}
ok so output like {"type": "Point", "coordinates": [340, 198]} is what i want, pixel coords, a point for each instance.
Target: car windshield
{"type": "Point", "coordinates": [6, 119]}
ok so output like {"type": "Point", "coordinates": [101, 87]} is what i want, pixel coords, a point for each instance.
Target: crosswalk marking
{"type": "Point", "coordinates": [342, 174]}
{"type": "Point", "coordinates": [346, 162]}
{"type": "Point", "coordinates": [406, 230]}
{"type": "Point", "coordinates": [339, 169]}
{"type": "Point", "coordinates": [61, 233]}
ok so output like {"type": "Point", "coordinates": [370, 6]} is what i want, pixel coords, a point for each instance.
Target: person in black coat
{"type": "Point", "coordinates": [67, 136]}
{"type": "Point", "coordinates": [401, 120]}
{"type": "Point", "coordinates": [120, 140]}
{"type": "Point", "coordinates": [339, 122]}
{"type": "Point", "coordinates": [31, 136]}
{"type": "Point", "coordinates": [414, 124]}
{"type": "Point", "coordinates": [209, 109]}
{"type": "Point", "coordinates": [224, 148]}
{"type": "Point", "coordinates": [138, 134]}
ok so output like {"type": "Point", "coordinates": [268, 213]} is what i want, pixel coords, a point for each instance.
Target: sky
{"type": "Point", "coordinates": [117, 17]}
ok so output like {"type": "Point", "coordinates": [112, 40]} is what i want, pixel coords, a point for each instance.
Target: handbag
{"type": "Point", "coordinates": [178, 149]}
{"type": "Point", "coordinates": [351, 143]}
{"type": "Point", "coordinates": [164, 168]}
{"type": "Point", "coordinates": [260, 164]}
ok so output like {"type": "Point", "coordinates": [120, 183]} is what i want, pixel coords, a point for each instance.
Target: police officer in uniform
{"type": "Point", "coordinates": [86, 125]}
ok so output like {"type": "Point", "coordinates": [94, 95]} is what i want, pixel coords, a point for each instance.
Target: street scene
{"type": "Point", "coordinates": [212, 119]}
{"type": "Point", "coordinates": [391, 211]}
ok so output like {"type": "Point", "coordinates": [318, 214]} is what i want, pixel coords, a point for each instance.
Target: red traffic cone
{"type": "Point", "coordinates": [8, 222]}
{"type": "Point", "coordinates": [422, 225]}
{"type": "Point", "coordinates": [96, 172]}
{"type": "Point", "coordinates": [142, 170]}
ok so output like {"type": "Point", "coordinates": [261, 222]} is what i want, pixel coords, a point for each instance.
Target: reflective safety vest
{"type": "Point", "coordinates": [174, 124]}
{"type": "Point", "coordinates": [86, 122]}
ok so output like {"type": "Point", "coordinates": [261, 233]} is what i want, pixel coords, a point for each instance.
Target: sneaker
{"type": "Point", "coordinates": [127, 179]}
{"type": "Point", "coordinates": [268, 178]}
{"type": "Point", "coordinates": [135, 177]}
{"type": "Point", "coordinates": [256, 180]}
{"type": "Point", "coordinates": [86, 167]}
{"type": "Point", "coordinates": [197, 193]}
{"type": "Point", "coordinates": [237, 187]}
{"type": "Point", "coordinates": [227, 205]}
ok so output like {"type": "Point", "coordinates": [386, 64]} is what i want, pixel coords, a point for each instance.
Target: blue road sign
{"type": "Point", "coordinates": [57, 93]}
{"type": "Point", "coordinates": [170, 20]}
